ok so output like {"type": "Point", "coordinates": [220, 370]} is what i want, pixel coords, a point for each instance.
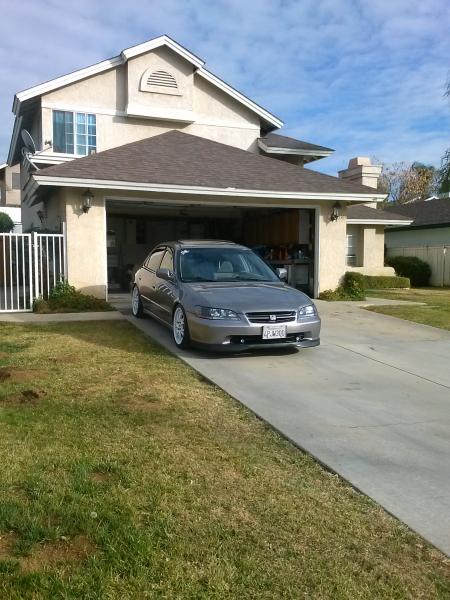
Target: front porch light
{"type": "Point", "coordinates": [335, 211]}
{"type": "Point", "coordinates": [88, 197]}
{"type": "Point", "coordinates": [41, 215]}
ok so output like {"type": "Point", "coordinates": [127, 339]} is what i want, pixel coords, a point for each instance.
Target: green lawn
{"type": "Point", "coordinates": [125, 475]}
{"type": "Point", "coordinates": [436, 311]}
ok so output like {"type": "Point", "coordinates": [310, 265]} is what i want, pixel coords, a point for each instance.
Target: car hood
{"type": "Point", "coordinates": [248, 296]}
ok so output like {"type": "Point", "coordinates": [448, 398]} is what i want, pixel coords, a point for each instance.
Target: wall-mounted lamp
{"type": "Point", "coordinates": [41, 214]}
{"type": "Point", "coordinates": [335, 211]}
{"type": "Point", "coordinates": [88, 197]}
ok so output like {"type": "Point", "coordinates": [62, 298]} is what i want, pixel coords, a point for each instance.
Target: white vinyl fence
{"type": "Point", "coordinates": [438, 257]}
{"type": "Point", "coordinates": [30, 266]}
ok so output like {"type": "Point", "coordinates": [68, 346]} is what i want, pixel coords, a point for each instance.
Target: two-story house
{"type": "Point", "coordinates": [150, 146]}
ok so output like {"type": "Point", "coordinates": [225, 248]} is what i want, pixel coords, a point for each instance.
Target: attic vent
{"type": "Point", "coordinates": [159, 82]}
{"type": "Point", "coordinates": [162, 79]}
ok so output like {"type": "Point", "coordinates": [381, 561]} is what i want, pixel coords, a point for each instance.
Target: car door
{"type": "Point", "coordinates": [166, 291]}
{"type": "Point", "coordinates": [147, 278]}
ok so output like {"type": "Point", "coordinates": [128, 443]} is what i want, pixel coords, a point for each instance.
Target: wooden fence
{"type": "Point", "coordinates": [438, 257]}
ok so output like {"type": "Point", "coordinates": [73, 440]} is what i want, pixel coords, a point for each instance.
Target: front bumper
{"type": "Point", "coordinates": [227, 335]}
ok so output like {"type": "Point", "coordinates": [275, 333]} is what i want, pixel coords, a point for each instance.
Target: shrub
{"type": "Point", "coordinates": [65, 298]}
{"type": "Point", "coordinates": [384, 282]}
{"type": "Point", "coordinates": [353, 285]}
{"type": "Point", "coordinates": [351, 288]}
{"type": "Point", "coordinates": [418, 271]}
{"type": "Point", "coordinates": [6, 223]}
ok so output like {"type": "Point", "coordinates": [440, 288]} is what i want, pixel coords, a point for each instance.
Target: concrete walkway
{"type": "Point", "coordinates": [372, 403]}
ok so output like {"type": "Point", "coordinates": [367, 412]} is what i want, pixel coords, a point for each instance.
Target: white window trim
{"type": "Point", "coordinates": [74, 123]}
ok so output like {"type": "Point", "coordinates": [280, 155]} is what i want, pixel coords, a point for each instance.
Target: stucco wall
{"type": "Point", "coordinates": [86, 243]}
{"type": "Point", "coordinates": [216, 115]}
{"type": "Point", "coordinates": [8, 195]}
{"type": "Point", "coordinates": [332, 248]}
{"type": "Point", "coordinates": [417, 237]}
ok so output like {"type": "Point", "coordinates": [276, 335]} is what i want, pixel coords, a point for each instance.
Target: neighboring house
{"type": "Point", "coordinates": [10, 202]}
{"type": "Point", "coordinates": [150, 145]}
{"type": "Point", "coordinates": [427, 236]}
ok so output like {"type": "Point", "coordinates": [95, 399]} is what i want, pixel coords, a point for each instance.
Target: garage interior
{"type": "Point", "coordinates": [284, 237]}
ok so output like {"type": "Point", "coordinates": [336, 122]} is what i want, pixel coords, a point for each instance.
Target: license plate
{"type": "Point", "coordinates": [271, 332]}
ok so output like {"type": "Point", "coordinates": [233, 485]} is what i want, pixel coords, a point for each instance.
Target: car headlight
{"type": "Point", "coordinates": [207, 312]}
{"type": "Point", "coordinates": [306, 311]}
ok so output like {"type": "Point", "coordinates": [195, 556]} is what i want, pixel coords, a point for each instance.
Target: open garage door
{"type": "Point", "coordinates": [284, 237]}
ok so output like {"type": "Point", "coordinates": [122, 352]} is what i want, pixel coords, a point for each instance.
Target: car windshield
{"type": "Point", "coordinates": [223, 264]}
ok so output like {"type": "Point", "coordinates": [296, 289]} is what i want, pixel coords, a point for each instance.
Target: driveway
{"type": "Point", "coordinates": [372, 403]}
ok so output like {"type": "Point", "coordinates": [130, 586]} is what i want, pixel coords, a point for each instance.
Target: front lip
{"type": "Point", "coordinates": [223, 333]}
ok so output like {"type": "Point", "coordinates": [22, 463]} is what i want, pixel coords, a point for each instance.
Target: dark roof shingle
{"type": "Point", "coordinates": [425, 212]}
{"type": "Point", "coordinates": [361, 212]}
{"type": "Point", "coordinates": [275, 140]}
{"type": "Point", "coordinates": [176, 158]}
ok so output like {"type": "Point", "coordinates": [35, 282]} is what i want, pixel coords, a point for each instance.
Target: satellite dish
{"type": "Point", "coordinates": [28, 141]}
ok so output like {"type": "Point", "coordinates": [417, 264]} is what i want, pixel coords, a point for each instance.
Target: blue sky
{"type": "Point", "coordinates": [363, 77]}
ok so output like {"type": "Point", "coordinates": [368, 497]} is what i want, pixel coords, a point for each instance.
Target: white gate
{"type": "Point", "coordinates": [30, 266]}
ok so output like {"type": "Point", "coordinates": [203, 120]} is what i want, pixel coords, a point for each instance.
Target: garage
{"type": "Point", "coordinates": [284, 237]}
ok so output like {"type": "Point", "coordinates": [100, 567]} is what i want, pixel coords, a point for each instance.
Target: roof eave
{"type": "Point", "coordinates": [396, 223]}
{"type": "Point", "coordinates": [293, 151]}
{"type": "Point", "coordinates": [46, 180]}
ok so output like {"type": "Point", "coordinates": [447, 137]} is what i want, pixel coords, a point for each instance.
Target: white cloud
{"type": "Point", "coordinates": [362, 77]}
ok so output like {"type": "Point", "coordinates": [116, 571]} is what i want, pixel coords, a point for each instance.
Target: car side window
{"type": "Point", "coordinates": [153, 261]}
{"type": "Point", "coordinates": [167, 261]}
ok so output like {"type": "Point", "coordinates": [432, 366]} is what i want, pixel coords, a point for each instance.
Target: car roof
{"type": "Point", "coordinates": [205, 243]}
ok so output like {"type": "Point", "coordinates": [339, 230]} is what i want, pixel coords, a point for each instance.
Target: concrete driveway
{"type": "Point", "coordinates": [372, 403]}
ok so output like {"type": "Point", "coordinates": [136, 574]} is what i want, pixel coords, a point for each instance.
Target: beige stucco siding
{"type": "Point", "coordinates": [9, 196]}
{"type": "Point", "coordinates": [86, 243]}
{"type": "Point", "coordinates": [215, 114]}
{"type": "Point", "coordinates": [332, 248]}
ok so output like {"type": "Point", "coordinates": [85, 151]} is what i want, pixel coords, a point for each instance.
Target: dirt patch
{"type": "Point", "coordinates": [3, 355]}
{"type": "Point", "coordinates": [24, 397]}
{"type": "Point", "coordinates": [52, 554]}
{"type": "Point", "coordinates": [7, 542]}
{"type": "Point", "coordinates": [99, 477]}
{"type": "Point", "coordinates": [140, 403]}
{"type": "Point", "coordinates": [66, 359]}
{"type": "Point", "coordinates": [14, 375]}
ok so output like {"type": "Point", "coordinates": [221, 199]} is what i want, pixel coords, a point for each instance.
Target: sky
{"type": "Point", "coordinates": [365, 77]}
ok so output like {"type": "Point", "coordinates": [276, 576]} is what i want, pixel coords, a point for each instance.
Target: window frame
{"type": "Point", "coordinates": [171, 252]}
{"type": "Point", "coordinates": [75, 134]}
{"type": "Point", "coordinates": [161, 249]}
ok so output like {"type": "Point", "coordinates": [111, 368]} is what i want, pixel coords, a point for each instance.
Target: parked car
{"type": "Point", "coordinates": [222, 296]}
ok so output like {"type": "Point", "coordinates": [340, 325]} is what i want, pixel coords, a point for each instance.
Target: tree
{"type": "Point", "coordinates": [6, 223]}
{"type": "Point", "coordinates": [407, 182]}
{"type": "Point", "coordinates": [444, 171]}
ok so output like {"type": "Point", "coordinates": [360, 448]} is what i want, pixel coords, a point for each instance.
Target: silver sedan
{"type": "Point", "coordinates": [222, 296]}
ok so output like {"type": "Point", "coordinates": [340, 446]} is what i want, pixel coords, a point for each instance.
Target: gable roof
{"type": "Point", "coordinates": [180, 162]}
{"type": "Point", "coordinates": [124, 56]}
{"type": "Point", "coordinates": [274, 142]}
{"type": "Point", "coordinates": [359, 214]}
{"type": "Point", "coordinates": [425, 212]}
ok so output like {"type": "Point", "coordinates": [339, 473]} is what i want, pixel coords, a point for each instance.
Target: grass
{"type": "Point", "coordinates": [125, 475]}
{"type": "Point", "coordinates": [435, 312]}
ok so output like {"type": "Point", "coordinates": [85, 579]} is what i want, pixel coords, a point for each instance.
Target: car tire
{"type": "Point", "coordinates": [137, 307]}
{"type": "Point", "coordinates": [180, 328]}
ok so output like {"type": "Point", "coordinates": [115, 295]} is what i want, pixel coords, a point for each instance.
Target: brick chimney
{"type": "Point", "coordinates": [361, 170]}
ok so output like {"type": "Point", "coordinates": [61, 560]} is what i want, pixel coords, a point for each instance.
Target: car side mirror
{"type": "Point", "coordinates": [165, 274]}
{"type": "Point", "coordinates": [282, 273]}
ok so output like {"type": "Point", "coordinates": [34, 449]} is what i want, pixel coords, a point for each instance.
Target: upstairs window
{"type": "Point", "coordinates": [74, 133]}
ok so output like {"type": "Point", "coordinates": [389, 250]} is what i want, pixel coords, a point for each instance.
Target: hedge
{"type": "Point", "coordinates": [385, 282]}
{"type": "Point", "coordinates": [354, 286]}
{"type": "Point", "coordinates": [418, 271]}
